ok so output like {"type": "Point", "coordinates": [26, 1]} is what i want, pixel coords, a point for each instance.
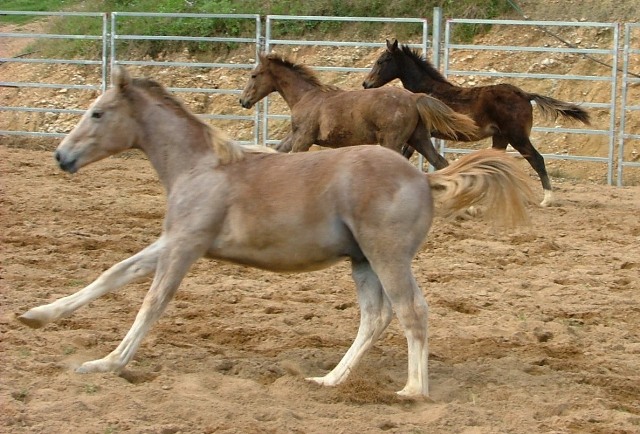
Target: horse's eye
{"type": "Point", "coordinates": [254, 75]}
{"type": "Point", "coordinates": [96, 115]}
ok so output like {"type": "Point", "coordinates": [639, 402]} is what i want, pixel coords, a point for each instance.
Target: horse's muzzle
{"type": "Point", "coordinates": [66, 164]}
{"type": "Point", "coordinates": [366, 85]}
{"type": "Point", "coordinates": [246, 103]}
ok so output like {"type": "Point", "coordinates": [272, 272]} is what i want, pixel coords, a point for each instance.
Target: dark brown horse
{"type": "Point", "coordinates": [501, 111]}
{"type": "Point", "coordinates": [329, 116]}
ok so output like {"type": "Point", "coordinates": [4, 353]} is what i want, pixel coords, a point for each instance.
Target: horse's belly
{"type": "Point", "coordinates": [347, 131]}
{"type": "Point", "coordinates": [286, 249]}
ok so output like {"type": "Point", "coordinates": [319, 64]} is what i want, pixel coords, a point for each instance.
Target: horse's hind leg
{"type": "Point", "coordinates": [524, 146]}
{"type": "Point", "coordinates": [412, 311]}
{"type": "Point", "coordinates": [375, 315]}
{"type": "Point", "coordinates": [420, 140]}
{"type": "Point", "coordinates": [173, 264]}
{"type": "Point", "coordinates": [137, 266]}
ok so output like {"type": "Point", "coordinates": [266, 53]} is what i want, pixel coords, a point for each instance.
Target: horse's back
{"type": "Point", "coordinates": [355, 117]}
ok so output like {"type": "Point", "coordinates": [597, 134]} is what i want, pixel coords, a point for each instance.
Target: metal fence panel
{"type": "Point", "coordinates": [51, 107]}
{"type": "Point", "coordinates": [215, 79]}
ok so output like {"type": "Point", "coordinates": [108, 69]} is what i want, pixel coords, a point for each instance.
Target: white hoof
{"type": "Point", "coordinates": [413, 393]}
{"type": "Point", "coordinates": [101, 365]}
{"type": "Point", "coordinates": [548, 198]}
{"type": "Point", "coordinates": [322, 381]}
{"type": "Point", "coordinates": [36, 318]}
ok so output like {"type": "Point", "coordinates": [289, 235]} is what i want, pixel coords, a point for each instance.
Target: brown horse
{"type": "Point", "coordinates": [278, 212]}
{"type": "Point", "coordinates": [502, 111]}
{"type": "Point", "coordinates": [329, 116]}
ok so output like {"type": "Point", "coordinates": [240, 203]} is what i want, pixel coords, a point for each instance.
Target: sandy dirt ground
{"type": "Point", "coordinates": [531, 330]}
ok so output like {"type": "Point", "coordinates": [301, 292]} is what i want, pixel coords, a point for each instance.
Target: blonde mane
{"type": "Point", "coordinates": [226, 149]}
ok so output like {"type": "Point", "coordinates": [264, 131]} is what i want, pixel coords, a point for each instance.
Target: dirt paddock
{"type": "Point", "coordinates": [532, 330]}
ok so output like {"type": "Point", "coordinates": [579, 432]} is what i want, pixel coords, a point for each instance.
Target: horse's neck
{"type": "Point", "coordinates": [417, 79]}
{"type": "Point", "coordinates": [291, 86]}
{"type": "Point", "coordinates": [174, 145]}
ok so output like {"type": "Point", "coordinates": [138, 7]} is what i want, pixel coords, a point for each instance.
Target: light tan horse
{"type": "Point", "coordinates": [278, 212]}
{"type": "Point", "coordinates": [329, 116]}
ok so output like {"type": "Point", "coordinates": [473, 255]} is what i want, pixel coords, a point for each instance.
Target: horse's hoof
{"type": "Point", "coordinates": [316, 380]}
{"type": "Point", "coordinates": [82, 370]}
{"type": "Point", "coordinates": [412, 393]}
{"type": "Point", "coordinates": [548, 199]}
{"type": "Point", "coordinates": [100, 365]}
{"type": "Point", "coordinates": [30, 320]}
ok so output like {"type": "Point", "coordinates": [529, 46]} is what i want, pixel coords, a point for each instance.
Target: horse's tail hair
{"type": "Point", "coordinates": [488, 177]}
{"type": "Point", "coordinates": [437, 116]}
{"type": "Point", "coordinates": [552, 108]}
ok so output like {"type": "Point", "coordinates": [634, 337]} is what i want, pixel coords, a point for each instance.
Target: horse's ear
{"type": "Point", "coordinates": [392, 46]}
{"type": "Point", "coordinates": [120, 77]}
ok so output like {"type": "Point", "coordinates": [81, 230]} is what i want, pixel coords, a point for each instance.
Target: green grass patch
{"type": "Point", "coordinates": [31, 6]}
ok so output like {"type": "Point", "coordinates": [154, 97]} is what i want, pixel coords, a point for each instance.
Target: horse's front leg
{"type": "Point", "coordinates": [173, 264]}
{"type": "Point", "coordinates": [137, 266]}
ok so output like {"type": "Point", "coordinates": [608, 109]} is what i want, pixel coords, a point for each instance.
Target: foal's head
{"type": "Point", "coordinates": [386, 68]}
{"type": "Point", "coordinates": [404, 63]}
{"type": "Point", "coordinates": [261, 83]}
{"type": "Point", "coordinates": [106, 128]}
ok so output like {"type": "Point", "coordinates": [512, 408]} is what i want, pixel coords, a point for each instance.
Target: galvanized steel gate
{"type": "Point", "coordinates": [98, 61]}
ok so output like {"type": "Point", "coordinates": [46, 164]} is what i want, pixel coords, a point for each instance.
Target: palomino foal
{"type": "Point", "coordinates": [366, 204]}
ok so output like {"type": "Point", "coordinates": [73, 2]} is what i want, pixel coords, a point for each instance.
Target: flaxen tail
{"type": "Point", "coordinates": [552, 108]}
{"type": "Point", "coordinates": [437, 116]}
{"type": "Point", "coordinates": [488, 177]}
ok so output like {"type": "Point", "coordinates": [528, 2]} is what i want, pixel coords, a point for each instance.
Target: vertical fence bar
{"type": "Point", "coordinates": [627, 109]}
{"type": "Point", "coordinates": [614, 105]}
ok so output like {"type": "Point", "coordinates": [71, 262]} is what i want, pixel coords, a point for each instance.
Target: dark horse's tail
{"type": "Point", "coordinates": [551, 107]}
